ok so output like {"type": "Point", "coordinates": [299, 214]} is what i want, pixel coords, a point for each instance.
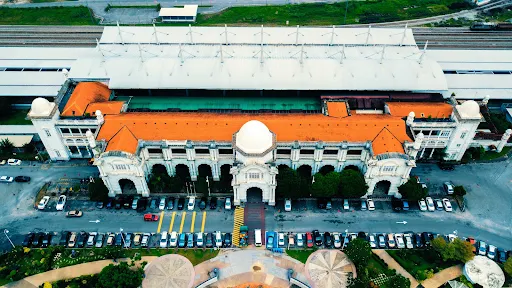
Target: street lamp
{"type": "Point", "coordinates": [122, 238]}
{"type": "Point", "coordinates": [5, 232]}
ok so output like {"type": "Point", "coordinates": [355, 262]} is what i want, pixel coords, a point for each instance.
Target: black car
{"type": "Point", "coordinates": [119, 239]}
{"type": "Point", "coordinates": [99, 205]}
{"type": "Point", "coordinates": [142, 204]}
{"type": "Point", "coordinates": [362, 235]}
{"type": "Point", "coordinates": [213, 203]}
{"type": "Point", "coordinates": [81, 239]}
{"type": "Point", "coordinates": [202, 203]}
{"type": "Point", "coordinates": [327, 239]}
{"type": "Point", "coordinates": [417, 240]}
{"type": "Point", "coordinates": [22, 179]}
{"type": "Point", "coordinates": [37, 239]}
{"type": "Point", "coordinates": [227, 240]}
{"type": "Point", "coordinates": [170, 203]}
{"type": "Point", "coordinates": [118, 204]}
{"type": "Point", "coordinates": [396, 204]}
{"type": "Point", "coordinates": [426, 237]}
{"type": "Point", "coordinates": [317, 237]}
{"type": "Point", "coordinates": [127, 203]}
{"type": "Point", "coordinates": [64, 238]}
{"type": "Point", "coordinates": [109, 203]}
{"type": "Point", "coordinates": [446, 166]}
{"type": "Point", "coordinates": [209, 240]}
{"type": "Point", "coordinates": [45, 241]}
{"type": "Point", "coordinates": [322, 203]}
{"type": "Point", "coordinates": [153, 204]}
{"type": "Point", "coordinates": [28, 239]}
{"type": "Point", "coordinates": [181, 203]}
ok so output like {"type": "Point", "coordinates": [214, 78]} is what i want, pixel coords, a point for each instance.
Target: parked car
{"type": "Point", "coordinates": [99, 240]}
{"type": "Point", "coordinates": [150, 217]}
{"type": "Point", "coordinates": [391, 240]}
{"type": "Point", "coordinates": [447, 205]}
{"type": "Point", "coordinates": [346, 207]}
{"type": "Point", "coordinates": [328, 205]}
{"type": "Point", "coordinates": [36, 242]}
{"type": "Point", "coordinates": [439, 204]}
{"type": "Point", "coordinates": [422, 204]}
{"type": "Point", "coordinates": [327, 239]}
{"type": "Point", "coordinates": [280, 240]}
{"type": "Point", "coordinates": [44, 201]}
{"type": "Point", "coordinates": [27, 241]}
{"type": "Point", "coordinates": [408, 241]}
{"type": "Point", "coordinates": [227, 204]}
{"type": "Point", "coordinates": [430, 204]}
{"type": "Point", "coordinates": [119, 239]}
{"type": "Point", "coordinates": [91, 238]}
{"type": "Point", "coordinates": [134, 204]}
{"type": "Point", "coordinates": [417, 241]}
{"type": "Point", "coordinates": [128, 240]}
{"type": "Point", "coordinates": [142, 204]}
{"type": "Point", "coordinates": [473, 242]}
{"type": "Point", "coordinates": [202, 203]}
{"type": "Point", "coordinates": [200, 240]}
{"type": "Point", "coordinates": [318, 238]}
{"type": "Point", "coordinates": [373, 242]}
{"type": "Point", "coordinates": [145, 240]}
{"type": "Point", "coordinates": [6, 179]}
{"type": "Point", "coordinates": [322, 203]}
{"type": "Point", "coordinates": [173, 239]}
{"type": "Point", "coordinates": [363, 205]}
{"type": "Point", "coordinates": [2, 162]}
{"type": "Point", "coordinates": [300, 240]}
{"type": "Point", "coordinates": [181, 203]}
{"type": "Point", "coordinates": [448, 188]}
{"type": "Point", "coordinates": [287, 205]}
{"type": "Point", "coordinates": [190, 240]}
{"type": "Point", "coordinates": [81, 239]}
{"type": "Point", "coordinates": [291, 241]}
{"type": "Point", "coordinates": [61, 203]}
{"type": "Point", "coordinates": [405, 205]}
{"type": "Point", "coordinates": [213, 203]}
{"type": "Point", "coordinates": [218, 239]}
{"type": "Point", "coordinates": [22, 179]}
{"type": "Point", "coordinates": [209, 240]}
{"type": "Point", "coordinates": [396, 204]}
{"type": "Point", "coordinates": [161, 206]}
{"type": "Point", "coordinates": [99, 205]}
{"type": "Point", "coordinates": [74, 213]}
{"type": "Point", "coordinates": [337, 240]}
{"type": "Point", "coordinates": [270, 241]}
{"type": "Point", "coordinates": [400, 243]}
{"type": "Point", "coordinates": [14, 162]}
{"type": "Point", "coordinates": [170, 203]}
{"type": "Point", "coordinates": [191, 203]}
{"type": "Point", "coordinates": [382, 240]}
{"type": "Point", "coordinates": [110, 203]}
{"type": "Point", "coordinates": [309, 239]}
{"type": "Point", "coordinates": [491, 253]}
{"type": "Point", "coordinates": [502, 255]}
{"type": "Point", "coordinates": [446, 166]}
{"type": "Point", "coordinates": [227, 240]}
{"type": "Point", "coordinates": [111, 239]}
{"type": "Point", "coordinates": [371, 205]}
{"type": "Point", "coordinates": [426, 237]}
{"type": "Point", "coordinates": [153, 204]}
{"type": "Point", "coordinates": [72, 240]}
{"type": "Point", "coordinates": [64, 238]}
{"type": "Point", "coordinates": [163, 240]}
{"type": "Point", "coordinates": [46, 240]}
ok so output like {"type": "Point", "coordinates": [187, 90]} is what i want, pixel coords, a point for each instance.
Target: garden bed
{"type": "Point", "coordinates": [301, 255]}
{"type": "Point", "coordinates": [420, 263]}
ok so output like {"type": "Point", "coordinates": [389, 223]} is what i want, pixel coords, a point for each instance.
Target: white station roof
{"type": "Point", "coordinates": [256, 58]}
{"type": "Point", "coordinates": [186, 10]}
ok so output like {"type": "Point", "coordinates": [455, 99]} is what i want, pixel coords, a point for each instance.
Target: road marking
{"type": "Point", "coordinates": [172, 221]}
{"type": "Point", "coordinates": [160, 223]}
{"type": "Point", "coordinates": [183, 214]}
{"type": "Point", "coordinates": [204, 221]}
{"type": "Point", "coordinates": [193, 222]}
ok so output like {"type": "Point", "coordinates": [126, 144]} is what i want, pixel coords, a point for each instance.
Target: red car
{"type": "Point", "coordinates": [150, 217]}
{"type": "Point", "coordinates": [309, 239]}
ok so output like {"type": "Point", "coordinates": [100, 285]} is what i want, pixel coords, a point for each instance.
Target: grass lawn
{"type": "Point", "coordinates": [18, 117]}
{"type": "Point", "coordinates": [46, 16]}
{"type": "Point", "coordinates": [417, 262]}
{"type": "Point", "coordinates": [301, 255]}
{"type": "Point", "coordinates": [493, 155]}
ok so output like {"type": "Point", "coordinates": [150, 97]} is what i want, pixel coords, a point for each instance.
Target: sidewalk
{"type": "Point", "coordinates": [68, 273]}
{"type": "Point", "coordinates": [394, 265]}
{"type": "Point", "coordinates": [443, 276]}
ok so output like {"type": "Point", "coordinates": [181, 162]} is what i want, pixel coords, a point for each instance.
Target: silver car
{"type": "Point", "coordinates": [99, 240]}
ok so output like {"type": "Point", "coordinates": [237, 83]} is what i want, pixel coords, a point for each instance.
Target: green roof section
{"type": "Point", "coordinates": [156, 103]}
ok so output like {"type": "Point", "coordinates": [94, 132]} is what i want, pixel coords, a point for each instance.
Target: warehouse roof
{"type": "Point", "coordinates": [186, 10]}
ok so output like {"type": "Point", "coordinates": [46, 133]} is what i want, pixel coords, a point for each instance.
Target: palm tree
{"type": "Point", "coordinates": [6, 147]}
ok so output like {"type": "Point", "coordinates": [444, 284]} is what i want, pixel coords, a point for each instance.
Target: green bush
{"type": "Point", "coordinates": [459, 190]}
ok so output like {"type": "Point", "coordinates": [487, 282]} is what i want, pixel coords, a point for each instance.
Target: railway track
{"type": "Point", "coordinates": [85, 36]}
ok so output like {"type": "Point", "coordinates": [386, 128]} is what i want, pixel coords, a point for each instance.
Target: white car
{"type": "Point", "coordinates": [227, 205]}
{"type": "Point", "coordinates": [6, 179]}
{"type": "Point", "coordinates": [452, 237]}
{"type": "Point", "coordinates": [336, 239]}
{"type": "Point", "coordinates": [399, 241]}
{"type": "Point", "coordinates": [199, 239]}
{"type": "Point", "coordinates": [430, 204]}
{"type": "Point", "coordinates": [163, 240]}
{"type": "Point", "coordinates": [447, 205]}
{"type": "Point", "coordinates": [422, 204]}
{"type": "Point", "coordinates": [173, 241]}
{"type": "Point", "coordinates": [408, 241]}
{"type": "Point", "coordinates": [61, 203]}
{"type": "Point", "coordinates": [491, 253]}
{"type": "Point", "coordinates": [373, 243]}
{"type": "Point", "coordinates": [161, 206]}
{"type": "Point", "coordinates": [371, 205]}
{"type": "Point", "coordinates": [280, 240]}
{"type": "Point", "coordinates": [42, 204]}
{"type": "Point", "coordinates": [448, 188]}
{"type": "Point", "coordinates": [287, 205]}
{"type": "Point", "coordinates": [14, 162]}
{"type": "Point", "coordinates": [300, 240]}
{"type": "Point", "coordinates": [2, 162]}
{"type": "Point", "coordinates": [345, 205]}
{"type": "Point", "coordinates": [218, 239]}
{"type": "Point", "coordinates": [191, 203]}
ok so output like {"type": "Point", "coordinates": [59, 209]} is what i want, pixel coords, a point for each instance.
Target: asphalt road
{"type": "Point", "coordinates": [486, 218]}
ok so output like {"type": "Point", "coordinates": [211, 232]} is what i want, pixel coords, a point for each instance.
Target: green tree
{"type": "Point", "coordinates": [120, 276]}
{"type": "Point", "coordinates": [463, 250]}
{"type": "Point", "coordinates": [288, 183]}
{"type": "Point", "coordinates": [508, 266]}
{"type": "Point", "coordinates": [175, 184]}
{"type": "Point", "coordinates": [459, 190]}
{"type": "Point", "coordinates": [97, 190]}
{"type": "Point", "coordinates": [159, 182]}
{"type": "Point", "coordinates": [6, 147]}
{"type": "Point", "coordinates": [412, 190]}
{"type": "Point", "coordinates": [325, 186]}
{"type": "Point", "coordinates": [399, 281]}
{"type": "Point", "coordinates": [352, 184]}
{"type": "Point", "coordinates": [359, 251]}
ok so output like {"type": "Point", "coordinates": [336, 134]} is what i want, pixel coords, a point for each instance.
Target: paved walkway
{"type": "Point", "coordinates": [443, 276]}
{"type": "Point", "coordinates": [68, 273]}
{"type": "Point", "coordinates": [392, 264]}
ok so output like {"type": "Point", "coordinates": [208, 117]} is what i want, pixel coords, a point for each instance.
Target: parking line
{"type": "Point", "coordinates": [160, 223]}
{"type": "Point", "coordinates": [204, 221]}
{"type": "Point", "coordinates": [172, 221]}
{"type": "Point", "coordinates": [183, 214]}
{"type": "Point", "coordinates": [193, 222]}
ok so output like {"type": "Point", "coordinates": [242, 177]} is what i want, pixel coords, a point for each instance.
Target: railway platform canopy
{"type": "Point", "coordinates": [260, 58]}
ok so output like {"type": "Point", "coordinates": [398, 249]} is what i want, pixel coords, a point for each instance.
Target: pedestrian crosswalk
{"type": "Point", "coordinates": [237, 222]}
{"type": "Point", "coordinates": [179, 221]}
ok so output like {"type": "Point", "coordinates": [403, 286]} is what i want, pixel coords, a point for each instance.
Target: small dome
{"type": "Point", "coordinates": [254, 137]}
{"type": "Point", "coordinates": [40, 106]}
{"type": "Point", "coordinates": [469, 109]}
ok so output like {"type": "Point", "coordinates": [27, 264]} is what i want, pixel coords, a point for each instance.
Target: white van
{"type": "Point", "coordinates": [163, 240]}
{"type": "Point", "coordinates": [174, 239]}
{"type": "Point", "coordinates": [218, 239]}
{"type": "Point", "coordinates": [257, 237]}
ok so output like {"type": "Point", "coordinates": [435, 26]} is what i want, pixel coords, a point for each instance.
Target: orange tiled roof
{"type": "Point", "coordinates": [386, 142]}
{"type": "Point", "coordinates": [84, 94]}
{"type": "Point", "coordinates": [107, 108]}
{"type": "Point", "coordinates": [420, 109]}
{"type": "Point", "coordinates": [221, 127]}
{"type": "Point", "coordinates": [337, 109]}
{"type": "Point", "coordinates": [123, 140]}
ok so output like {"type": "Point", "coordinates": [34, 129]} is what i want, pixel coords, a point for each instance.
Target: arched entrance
{"type": "Point", "coordinates": [282, 166]}
{"type": "Point", "coordinates": [158, 169]}
{"type": "Point", "coordinates": [127, 186]}
{"type": "Point", "coordinates": [254, 195]}
{"type": "Point", "coordinates": [352, 167]}
{"type": "Point", "coordinates": [381, 188]}
{"type": "Point", "coordinates": [204, 170]}
{"type": "Point", "coordinates": [225, 178]}
{"type": "Point", "coordinates": [182, 172]}
{"type": "Point", "coordinates": [326, 169]}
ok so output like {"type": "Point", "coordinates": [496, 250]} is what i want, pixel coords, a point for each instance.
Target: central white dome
{"type": "Point", "coordinates": [254, 137]}
{"type": "Point", "coordinates": [469, 109]}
